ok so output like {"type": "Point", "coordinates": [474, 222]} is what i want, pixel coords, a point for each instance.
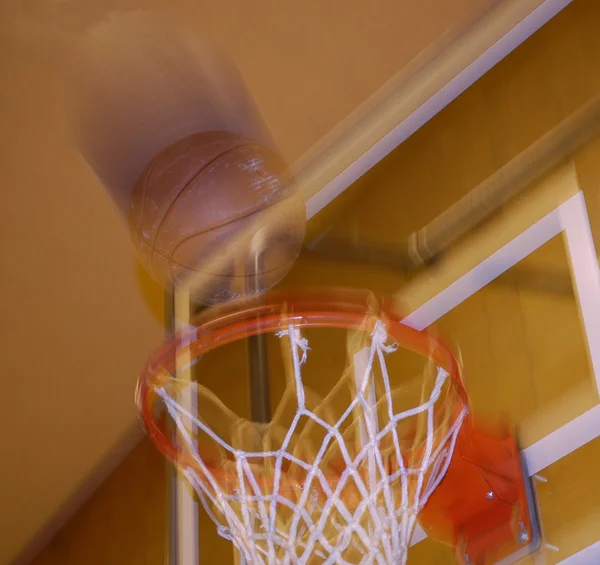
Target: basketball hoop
{"type": "Point", "coordinates": [335, 483]}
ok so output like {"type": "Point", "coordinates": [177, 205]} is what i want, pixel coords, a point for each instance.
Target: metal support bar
{"type": "Point", "coordinates": [260, 408]}
{"type": "Point", "coordinates": [433, 240]}
{"type": "Point", "coordinates": [182, 512]}
{"type": "Point", "coordinates": [508, 181]}
{"type": "Point", "coordinates": [172, 546]}
{"type": "Point", "coordinates": [260, 402]}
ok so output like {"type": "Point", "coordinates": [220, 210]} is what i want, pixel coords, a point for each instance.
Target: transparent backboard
{"type": "Point", "coordinates": [519, 300]}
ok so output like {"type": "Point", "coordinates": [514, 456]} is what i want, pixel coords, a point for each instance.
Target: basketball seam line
{"type": "Point", "coordinates": [185, 188]}
{"type": "Point", "coordinates": [248, 215]}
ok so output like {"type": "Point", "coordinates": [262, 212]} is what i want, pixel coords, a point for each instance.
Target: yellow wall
{"type": "Point", "coordinates": [74, 326]}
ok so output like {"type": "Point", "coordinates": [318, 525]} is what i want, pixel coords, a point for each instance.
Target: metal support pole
{"type": "Point", "coordinates": [260, 409]}
{"type": "Point", "coordinates": [171, 548]}
{"type": "Point", "coordinates": [260, 405]}
{"type": "Point", "coordinates": [182, 512]}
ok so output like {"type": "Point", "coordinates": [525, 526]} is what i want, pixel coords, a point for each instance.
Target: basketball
{"type": "Point", "coordinates": [219, 214]}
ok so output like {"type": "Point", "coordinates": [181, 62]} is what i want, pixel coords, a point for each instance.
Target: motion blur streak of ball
{"type": "Point", "coordinates": [141, 81]}
{"type": "Point", "coordinates": [165, 122]}
{"type": "Point", "coordinates": [219, 213]}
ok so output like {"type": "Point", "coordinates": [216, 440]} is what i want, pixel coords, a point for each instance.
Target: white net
{"type": "Point", "coordinates": [320, 483]}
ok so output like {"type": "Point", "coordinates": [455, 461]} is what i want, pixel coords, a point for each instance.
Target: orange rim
{"type": "Point", "coordinates": [330, 308]}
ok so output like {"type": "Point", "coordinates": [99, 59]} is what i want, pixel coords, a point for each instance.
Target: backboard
{"type": "Point", "coordinates": [519, 299]}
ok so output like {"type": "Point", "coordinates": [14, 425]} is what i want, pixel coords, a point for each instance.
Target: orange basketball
{"type": "Point", "coordinates": [220, 210]}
